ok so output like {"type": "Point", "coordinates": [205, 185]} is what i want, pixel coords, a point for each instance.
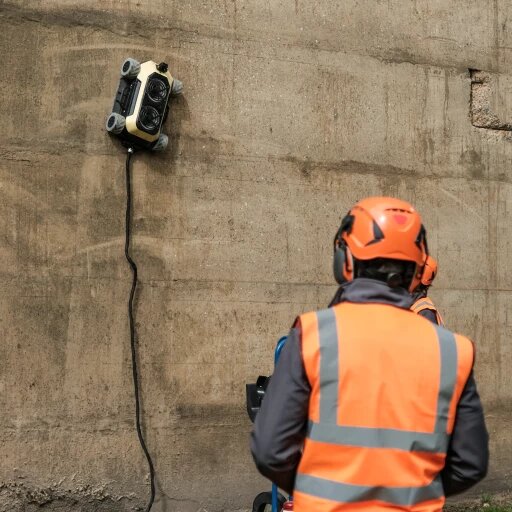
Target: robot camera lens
{"type": "Point", "coordinates": [149, 118]}
{"type": "Point", "coordinates": [157, 90]}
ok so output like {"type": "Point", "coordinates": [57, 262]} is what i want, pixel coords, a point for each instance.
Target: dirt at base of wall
{"type": "Point", "coordinates": [21, 497]}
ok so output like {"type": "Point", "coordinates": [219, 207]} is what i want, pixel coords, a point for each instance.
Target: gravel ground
{"type": "Point", "coordinates": [486, 503]}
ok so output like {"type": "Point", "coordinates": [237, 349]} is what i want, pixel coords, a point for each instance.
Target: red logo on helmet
{"type": "Point", "coordinates": [400, 219]}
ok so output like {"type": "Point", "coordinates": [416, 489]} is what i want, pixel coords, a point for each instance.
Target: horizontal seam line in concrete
{"type": "Point", "coordinates": [325, 168]}
{"type": "Point", "coordinates": [175, 281]}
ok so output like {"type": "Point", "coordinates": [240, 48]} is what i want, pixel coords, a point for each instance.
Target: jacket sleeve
{"type": "Point", "coordinates": [280, 426]}
{"type": "Point", "coordinates": [468, 453]}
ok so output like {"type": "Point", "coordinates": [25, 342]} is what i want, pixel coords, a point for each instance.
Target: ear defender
{"type": "Point", "coordinates": [429, 271]}
{"type": "Point", "coordinates": [420, 275]}
{"type": "Point", "coordinates": [338, 265]}
{"type": "Point", "coordinates": [342, 263]}
{"type": "Point", "coordinates": [423, 272]}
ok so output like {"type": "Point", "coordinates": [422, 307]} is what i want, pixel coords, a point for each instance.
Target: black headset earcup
{"type": "Point", "coordinates": [338, 265]}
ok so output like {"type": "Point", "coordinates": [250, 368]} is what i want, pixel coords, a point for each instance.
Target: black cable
{"type": "Point", "coordinates": [132, 329]}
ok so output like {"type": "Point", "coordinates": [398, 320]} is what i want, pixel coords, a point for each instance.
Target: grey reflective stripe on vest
{"type": "Point", "coordinates": [448, 350]}
{"type": "Point", "coordinates": [379, 438]}
{"type": "Point", "coordinates": [350, 493]}
{"type": "Point", "coordinates": [329, 372]}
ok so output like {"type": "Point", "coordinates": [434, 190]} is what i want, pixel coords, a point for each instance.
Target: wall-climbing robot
{"type": "Point", "coordinates": [141, 104]}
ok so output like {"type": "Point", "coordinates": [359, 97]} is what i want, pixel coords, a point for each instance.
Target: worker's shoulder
{"type": "Point", "coordinates": [423, 303]}
{"type": "Point", "coordinates": [465, 346]}
{"type": "Point", "coordinates": [444, 331]}
{"type": "Point", "coordinates": [464, 343]}
{"type": "Point", "coordinates": [314, 317]}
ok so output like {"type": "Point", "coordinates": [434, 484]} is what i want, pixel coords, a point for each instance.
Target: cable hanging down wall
{"type": "Point", "coordinates": [133, 266]}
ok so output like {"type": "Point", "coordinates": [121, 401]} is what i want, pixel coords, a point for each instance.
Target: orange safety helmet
{"type": "Point", "coordinates": [429, 271]}
{"type": "Point", "coordinates": [380, 227]}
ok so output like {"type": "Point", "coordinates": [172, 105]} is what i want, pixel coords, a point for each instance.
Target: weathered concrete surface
{"type": "Point", "coordinates": [292, 111]}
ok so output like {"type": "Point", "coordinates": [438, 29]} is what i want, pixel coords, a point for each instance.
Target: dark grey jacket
{"type": "Point", "coordinates": [280, 426]}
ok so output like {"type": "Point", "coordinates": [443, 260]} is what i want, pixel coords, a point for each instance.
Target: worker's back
{"type": "Point", "coordinates": [385, 384]}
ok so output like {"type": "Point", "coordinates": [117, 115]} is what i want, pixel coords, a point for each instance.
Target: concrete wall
{"type": "Point", "coordinates": [293, 110]}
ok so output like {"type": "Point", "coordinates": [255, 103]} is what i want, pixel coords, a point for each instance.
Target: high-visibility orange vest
{"type": "Point", "coordinates": [426, 303]}
{"type": "Point", "coordinates": [384, 390]}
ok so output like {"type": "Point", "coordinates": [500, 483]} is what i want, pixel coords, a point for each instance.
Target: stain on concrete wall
{"type": "Point", "coordinates": [292, 111]}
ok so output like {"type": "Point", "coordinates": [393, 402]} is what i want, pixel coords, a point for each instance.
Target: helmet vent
{"type": "Point", "coordinates": [377, 232]}
{"type": "Point", "coordinates": [378, 235]}
{"type": "Point", "coordinates": [397, 210]}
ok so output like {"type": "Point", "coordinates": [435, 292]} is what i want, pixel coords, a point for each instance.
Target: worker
{"type": "Point", "coordinates": [370, 407]}
{"type": "Point", "coordinates": [423, 304]}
